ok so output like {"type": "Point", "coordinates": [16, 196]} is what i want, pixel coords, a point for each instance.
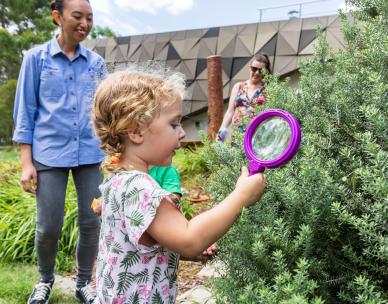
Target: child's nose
{"type": "Point", "coordinates": [182, 133]}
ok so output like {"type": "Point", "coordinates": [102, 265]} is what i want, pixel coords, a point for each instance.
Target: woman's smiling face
{"type": "Point", "coordinates": [76, 20]}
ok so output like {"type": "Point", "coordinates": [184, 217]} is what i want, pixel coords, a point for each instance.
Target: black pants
{"type": "Point", "coordinates": [50, 197]}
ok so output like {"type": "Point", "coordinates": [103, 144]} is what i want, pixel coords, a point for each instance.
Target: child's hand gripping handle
{"type": "Point", "coordinates": [251, 186]}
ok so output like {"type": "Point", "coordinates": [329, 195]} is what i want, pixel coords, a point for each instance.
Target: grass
{"type": "Point", "coordinates": [17, 282]}
{"type": "Point", "coordinates": [9, 153]}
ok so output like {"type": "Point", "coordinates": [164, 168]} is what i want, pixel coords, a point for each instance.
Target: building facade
{"type": "Point", "coordinates": [286, 42]}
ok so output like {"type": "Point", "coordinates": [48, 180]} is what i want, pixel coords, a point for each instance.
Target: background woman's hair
{"type": "Point", "coordinates": [130, 100]}
{"type": "Point", "coordinates": [263, 58]}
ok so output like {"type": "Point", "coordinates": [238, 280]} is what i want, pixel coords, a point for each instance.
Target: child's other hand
{"type": "Point", "coordinates": [97, 205]}
{"type": "Point", "coordinates": [208, 253]}
{"type": "Point", "coordinates": [250, 187]}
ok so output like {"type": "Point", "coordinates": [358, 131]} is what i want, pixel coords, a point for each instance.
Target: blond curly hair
{"type": "Point", "coordinates": [127, 100]}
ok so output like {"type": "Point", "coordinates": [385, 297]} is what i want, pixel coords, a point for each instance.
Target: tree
{"type": "Point", "coordinates": [101, 32]}
{"type": "Point", "coordinates": [23, 24]}
{"type": "Point", "coordinates": [320, 232]}
{"type": "Point", "coordinates": [7, 93]}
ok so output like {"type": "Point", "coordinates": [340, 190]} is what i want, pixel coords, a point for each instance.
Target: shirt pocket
{"type": "Point", "coordinates": [51, 83]}
{"type": "Point", "coordinates": [88, 86]}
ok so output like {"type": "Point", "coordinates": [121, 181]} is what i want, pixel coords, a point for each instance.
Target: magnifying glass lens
{"type": "Point", "coordinates": [271, 138]}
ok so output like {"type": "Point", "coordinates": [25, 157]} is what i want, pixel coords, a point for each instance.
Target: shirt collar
{"type": "Point", "coordinates": [56, 49]}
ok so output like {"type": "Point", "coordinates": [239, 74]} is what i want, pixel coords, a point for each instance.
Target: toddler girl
{"type": "Point", "coordinates": [137, 116]}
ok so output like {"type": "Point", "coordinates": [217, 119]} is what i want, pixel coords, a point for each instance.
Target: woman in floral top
{"type": "Point", "coordinates": [143, 231]}
{"type": "Point", "coordinates": [245, 96]}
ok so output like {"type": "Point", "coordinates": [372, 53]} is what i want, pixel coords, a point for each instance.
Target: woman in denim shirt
{"type": "Point", "coordinates": [53, 100]}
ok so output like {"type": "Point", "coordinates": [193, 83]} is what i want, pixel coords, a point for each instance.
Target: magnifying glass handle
{"type": "Point", "coordinates": [255, 167]}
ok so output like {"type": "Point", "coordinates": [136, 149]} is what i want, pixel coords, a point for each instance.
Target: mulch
{"type": "Point", "coordinates": [187, 276]}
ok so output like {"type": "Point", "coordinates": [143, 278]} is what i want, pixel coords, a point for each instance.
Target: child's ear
{"type": "Point", "coordinates": [135, 136]}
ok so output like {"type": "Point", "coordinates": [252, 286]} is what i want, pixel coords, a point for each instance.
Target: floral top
{"type": "Point", "coordinates": [128, 272]}
{"type": "Point", "coordinates": [244, 107]}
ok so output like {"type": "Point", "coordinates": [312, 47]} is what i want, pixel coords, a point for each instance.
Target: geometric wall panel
{"type": "Point", "coordinates": [285, 64]}
{"type": "Point", "coordinates": [244, 46]}
{"type": "Point", "coordinates": [201, 66]}
{"type": "Point", "coordinates": [313, 23]}
{"type": "Point", "coordinates": [334, 38]}
{"type": "Point", "coordinates": [247, 29]}
{"type": "Point", "coordinates": [287, 43]}
{"type": "Point", "coordinates": [239, 64]}
{"type": "Point", "coordinates": [306, 37]}
{"type": "Point", "coordinates": [227, 65]}
{"type": "Point", "coordinates": [226, 46]}
{"type": "Point", "coordinates": [265, 32]}
{"type": "Point", "coordinates": [179, 46]}
{"type": "Point", "coordinates": [290, 25]}
{"type": "Point", "coordinates": [270, 47]}
{"type": "Point", "coordinates": [243, 72]}
{"type": "Point", "coordinates": [212, 32]}
{"type": "Point", "coordinates": [309, 49]}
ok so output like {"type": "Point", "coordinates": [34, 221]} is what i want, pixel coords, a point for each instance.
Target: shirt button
{"type": "Point", "coordinates": [74, 108]}
{"type": "Point", "coordinates": [72, 93]}
{"type": "Point", "coordinates": [71, 78]}
{"type": "Point", "coordinates": [69, 63]}
{"type": "Point", "coordinates": [75, 138]}
{"type": "Point", "coordinates": [74, 123]}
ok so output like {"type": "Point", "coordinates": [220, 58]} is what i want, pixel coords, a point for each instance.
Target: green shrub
{"type": "Point", "coordinates": [190, 161]}
{"type": "Point", "coordinates": [319, 233]}
{"type": "Point", "coordinates": [189, 210]}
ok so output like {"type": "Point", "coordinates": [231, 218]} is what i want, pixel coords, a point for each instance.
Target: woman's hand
{"type": "Point", "coordinates": [250, 187]}
{"type": "Point", "coordinates": [222, 134]}
{"type": "Point", "coordinates": [29, 178]}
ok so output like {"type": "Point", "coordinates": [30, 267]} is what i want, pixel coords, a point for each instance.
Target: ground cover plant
{"type": "Point", "coordinates": [319, 233]}
{"type": "Point", "coordinates": [17, 212]}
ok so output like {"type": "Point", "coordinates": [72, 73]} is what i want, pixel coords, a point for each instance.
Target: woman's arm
{"type": "Point", "coordinates": [190, 238]}
{"type": "Point", "coordinates": [229, 112]}
{"type": "Point", "coordinates": [26, 99]}
{"type": "Point", "coordinates": [25, 107]}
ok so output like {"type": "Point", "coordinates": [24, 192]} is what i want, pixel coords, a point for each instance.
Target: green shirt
{"type": "Point", "coordinates": [167, 177]}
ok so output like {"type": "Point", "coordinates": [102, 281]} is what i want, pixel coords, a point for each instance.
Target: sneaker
{"type": "Point", "coordinates": [86, 294]}
{"type": "Point", "coordinates": [41, 292]}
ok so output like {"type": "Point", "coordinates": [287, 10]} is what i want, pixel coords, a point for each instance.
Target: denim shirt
{"type": "Point", "coordinates": [53, 102]}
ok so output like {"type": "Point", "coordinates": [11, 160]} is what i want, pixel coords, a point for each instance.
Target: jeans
{"type": "Point", "coordinates": [50, 197]}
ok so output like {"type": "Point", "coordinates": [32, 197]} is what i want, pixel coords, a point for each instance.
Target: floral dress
{"type": "Point", "coordinates": [128, 272]}
{"type": "Point", "coordinates": [244, 107]}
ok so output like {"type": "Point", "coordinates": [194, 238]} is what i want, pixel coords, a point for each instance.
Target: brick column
{"type": "Point", "coordinates": [214, 95]}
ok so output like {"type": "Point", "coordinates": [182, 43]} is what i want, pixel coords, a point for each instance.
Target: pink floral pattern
{"type": "Point", "coordinates": [245, 106]}
{"type": "Point", "coordinates": [126, 270]}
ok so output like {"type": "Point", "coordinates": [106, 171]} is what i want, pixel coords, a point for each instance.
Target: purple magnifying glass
{"type": "Point", "coordinates": [271, 139]}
